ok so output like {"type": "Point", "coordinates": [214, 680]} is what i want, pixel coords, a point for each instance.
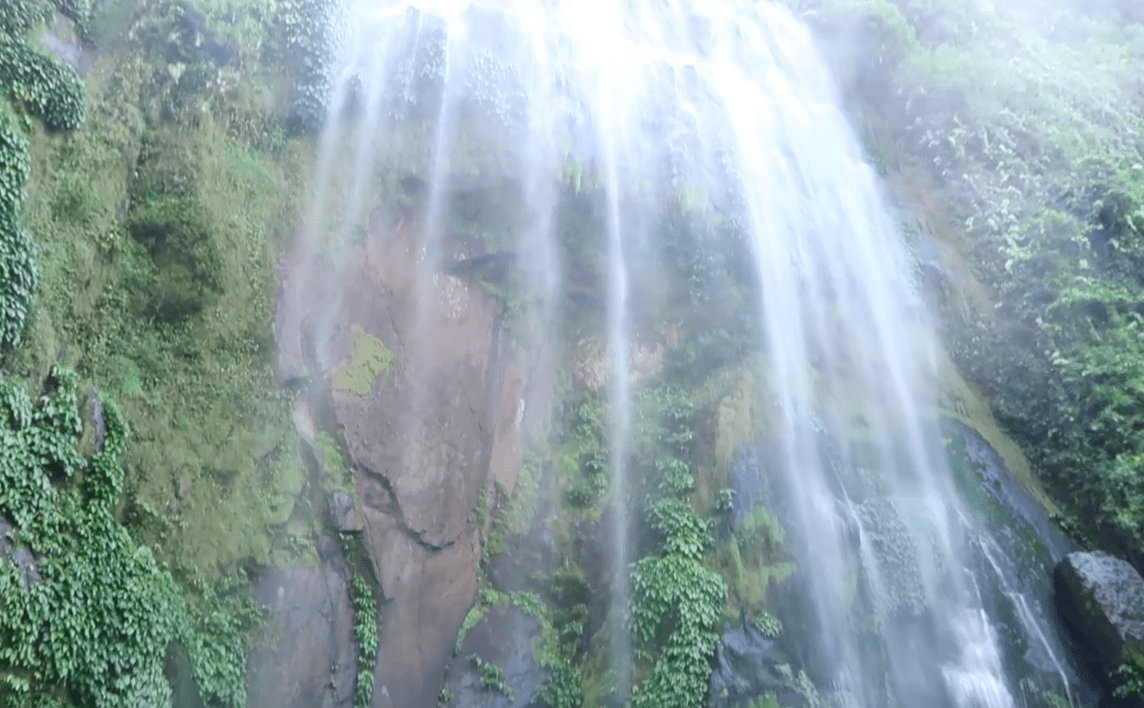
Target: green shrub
{"type": "Point", "coordinates": [186, 263]}
{"type": "Point", "coordinates": [18, 274]}
{"type": "Point", "coordinates": [92, 615]}
{"type": "Point", "coordinates": [310, 30]}
{"type": "Point", "coordinates": [19, 16]}
{"type": "Point", "coordinates": [676, 602]}
{"type": "Point", "coordinates": [51, 91]}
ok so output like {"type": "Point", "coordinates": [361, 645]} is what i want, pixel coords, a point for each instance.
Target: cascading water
{"type": "Point", "coordinates": [648, 99]}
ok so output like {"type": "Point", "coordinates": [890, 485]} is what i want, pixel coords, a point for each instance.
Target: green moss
{"type": "Point", "coordinates": [336, 474]}
{"type": "Point", "coordinates": [175, 230]}
{"type": "Point", "coordinates": [368, 360]}
{"type": "Point", "coordinates": [735, 424]}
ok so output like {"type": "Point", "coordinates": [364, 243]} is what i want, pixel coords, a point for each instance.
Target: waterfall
{"type": "Point", "coordinates": [641, 101]}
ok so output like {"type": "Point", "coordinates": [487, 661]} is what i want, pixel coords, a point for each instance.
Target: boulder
{"type": "Point", "coordinates": [1102, 599]}
{"type": "Point", "coordinates": [343, 512]}
{"type": "Point", "coordinates": [747, 666]}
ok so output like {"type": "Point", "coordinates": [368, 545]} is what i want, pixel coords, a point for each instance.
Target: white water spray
{"type": "Point", "coordinates": [650, 98]}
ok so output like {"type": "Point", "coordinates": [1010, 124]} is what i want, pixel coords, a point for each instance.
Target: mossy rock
{"type": "Point", "coordinates": [1102, 597]}
{"type": "Point", "coordinates": [286, 480]}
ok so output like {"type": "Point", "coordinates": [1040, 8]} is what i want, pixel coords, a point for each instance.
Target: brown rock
{"type": "Point", "coordinates": [437, 424]}
{"type": "Point", "coordinates": [427, 596]}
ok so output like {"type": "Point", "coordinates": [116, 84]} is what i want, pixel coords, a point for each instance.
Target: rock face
{"type": "Point", "coordinates": [501, 639]}
{"type": "Point", "coordinates": [429, 406]}
{"type": "Point", "coordinates": [748, 666]}
{"type": "Point", "coordinates": [1102, 598]}
{"type": "Point", "coordinates": [311, 661]}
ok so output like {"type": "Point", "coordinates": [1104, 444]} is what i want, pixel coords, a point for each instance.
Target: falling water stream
{"type": "Point", "coordinates": [646, 99]}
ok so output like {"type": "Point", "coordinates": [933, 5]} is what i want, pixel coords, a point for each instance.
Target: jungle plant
{"type": "Point", "coordinates": [86, 614]}
{"type": "Point", "coordinates": [310, 27]}
{"type": "Point", "coordinates": [366, 630]}
{"type": "Point", "coordinates": [42, 87]}
{"type": "Point", "coordinates": [1042, 163]}
{"type": "Point", "coordinates": [492, 676]}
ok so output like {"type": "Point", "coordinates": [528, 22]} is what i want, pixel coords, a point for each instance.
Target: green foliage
{"type": "Point", "coordinates": [676, 602]}
{"type": "Point", "coordinates": [366, 631]}
{"type": "Point", "coordinates": [1131, 681]}
{"type": "Point", "coordinates": [46, 88]}
{"type": "Point", "coordinates": [1032, 134]}
{"type": "Point", "coordinates": [368, 360]}
{"type": "Point", "coordinates": [684, 533]}
{"type": "Point", "coordinates": [759, 533]}
{"type": "Point", "coordinates": [185, 263]}
{"type": "Point", "coordinates": [92, 614]}
{"type": "Point", "coordinates": [19, 16]}
{"type": "Point", "coordinates": [221, 618]}
{"type": "Point", "coordinates": [725, 500]}
{"type": "Point", "coordinates": [492, 676]}
{"type": "Point", "coordinates": [769, 625]}
{"type": "Point", "coordinates": [17, 261]}
{"type": "Point", "coordinates": [54, 93]}
{"type": "Point", "coordinates": [311, 35]}
{"type": "Point", "coordinates": [662, 435]}
{"type": "Point", "coordinates": [475, 614]}
{"type": "Point", "coordinates": [79, 12]}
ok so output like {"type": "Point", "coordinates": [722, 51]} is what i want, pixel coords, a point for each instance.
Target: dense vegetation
{"type": "Point", "coordinates": [1025, 120]}
{"type": "Point", "coordinates": [155, 282]}
{"type": "Point", "coordinates": [33, 85]}
{"type": "Point", "coordinates": [86, 613]}
{"type": "Point", "coordinates": [138, 249]}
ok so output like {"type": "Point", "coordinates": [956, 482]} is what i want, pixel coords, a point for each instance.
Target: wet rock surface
{"type": "Point", "coordinates": [311, 658]}
{"type": "Point", "coordinates": [436, 420]}
{"type": "Point", "coordinates": [1101, 597]}
{"type": "Point", "coordinates": [747, 666]}
{"type": "Point", "coordinates": [343, 512]}
{"type": "Point", "coordinates": [19, 554]}
{"type": "Point", "coordinates": [500, 639]}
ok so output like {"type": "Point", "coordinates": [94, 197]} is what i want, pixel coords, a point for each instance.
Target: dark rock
{"type": "Point", "coordinates": [180, 674]}
{"type": "Point", "coordinates": [596, 555]}
{"type": "Point", "coordinates": [427, 595]}
{"type": "Point", "coordinates": [439, 423]}
{"type": "Point", "coordinates": [96, 418]}
{"type": "Point", "coordinates": [747, 666]}
{"type": "Point", "coordinates": [182, 486]}
{"type": "Point", "coordinates": [501, 638]}
{"type": "Point", "coordinates": [19, 554]}
{"type": "Point", "coordinates": [531, 553]}
{"type": "Point", "coordinates": [343, 512]}
{"type": "Point", "coordinates": [1102, 599]}
{"type": "Point", "coordinates": [310, 658]}
{"type": "Point", "coordinates": [328, 547]}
